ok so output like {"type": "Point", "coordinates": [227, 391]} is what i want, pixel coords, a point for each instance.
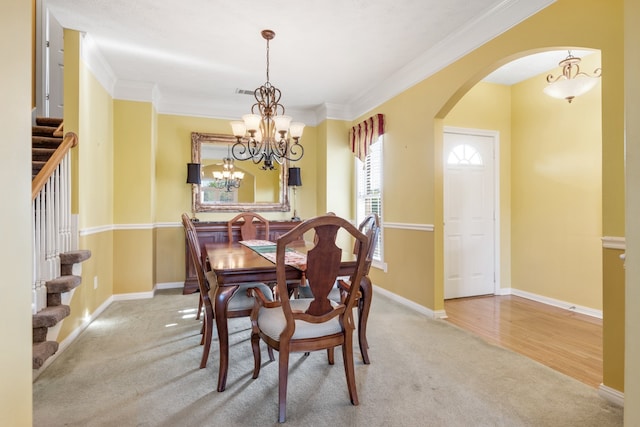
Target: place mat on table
{"type": "Point", "coordinates": [268, 250]}
{"type": "Point", "coordinates": [260, 246]}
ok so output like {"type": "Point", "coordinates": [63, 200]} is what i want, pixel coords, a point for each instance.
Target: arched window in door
{"type": "Point", "coordinates": [464, 155]}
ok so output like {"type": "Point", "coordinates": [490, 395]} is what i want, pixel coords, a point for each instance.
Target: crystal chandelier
{"type": "Point", "coordinates": [227, 179]}
{"type": "Point", "coordinates": [267, 135]}
{"type": "Point", "coordinates": [572, 82]}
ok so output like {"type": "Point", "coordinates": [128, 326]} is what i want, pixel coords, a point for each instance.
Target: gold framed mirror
{"type": "Point", "coordinates": [257, 191]}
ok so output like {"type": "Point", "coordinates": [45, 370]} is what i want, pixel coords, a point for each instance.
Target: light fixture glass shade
{"type": "Point", "coordinates": [252, 121]}
{"type": "Point", "coordinates": [570, 88]}
{"type": "Point", "coordinates": [239, 128]}
{"type": "Point", "coordinates": [295, 129]}
{"type": "Point", "coordinates": [282, 123]}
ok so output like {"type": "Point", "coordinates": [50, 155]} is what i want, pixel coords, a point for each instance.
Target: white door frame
{"type": "Point", "coordinates": [495, 135]}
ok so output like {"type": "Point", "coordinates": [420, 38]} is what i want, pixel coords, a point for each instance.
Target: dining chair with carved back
{"type": "Point", "coordinates": [240, 304]}
{"type": "Point", "coordinates": [370, 225]}
{"type": "Point", "coordinates": [310, 324]}
{"type": "Point", "coordinates": [248, 222]}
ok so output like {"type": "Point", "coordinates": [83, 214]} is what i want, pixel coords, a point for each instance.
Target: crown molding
{"type": "Point", "coordinates": [96, 63]}
{"type": "Point", "coordinates": [471, 36]}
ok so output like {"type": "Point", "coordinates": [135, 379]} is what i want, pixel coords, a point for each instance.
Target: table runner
{"type": "Point", "coordinates": [268, 250]}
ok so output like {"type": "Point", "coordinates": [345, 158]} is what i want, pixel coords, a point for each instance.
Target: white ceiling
{"type": "Point", "coordinates": [330, 58]}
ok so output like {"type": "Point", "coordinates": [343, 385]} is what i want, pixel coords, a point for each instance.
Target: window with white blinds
{"type": "Point", "coordinates": [369, 189]}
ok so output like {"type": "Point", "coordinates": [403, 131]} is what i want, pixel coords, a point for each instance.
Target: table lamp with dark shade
{"type": "Point", "coordinates": [193, 177]}
{"type": "Point", "coordinates": [294, 181]}
{"type": "Point", "coordinates": [193, 173]}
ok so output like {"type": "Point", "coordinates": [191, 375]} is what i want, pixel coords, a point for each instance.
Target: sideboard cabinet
{"type": "Point", "coordinates": [212, 232]}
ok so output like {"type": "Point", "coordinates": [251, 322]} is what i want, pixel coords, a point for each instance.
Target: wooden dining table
{"type": "Point", "coordinates": [234, 263]}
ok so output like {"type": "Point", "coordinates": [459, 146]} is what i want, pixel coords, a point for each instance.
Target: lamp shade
{"type": "Point", "coordinates": [193, 173]}
{"type": "Point", "coordinates": [294, 177]}
{"type": "Point", "coordinates": [570, 88]}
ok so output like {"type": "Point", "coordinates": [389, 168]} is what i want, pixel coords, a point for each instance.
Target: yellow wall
{"type": "Point", "coordinates": [414, 137]}
{"type": "Point", "coordinates": [488, 106]}
{"type": "Point", "coordinates": [413, 170]}
{"type": "Point", "coordinates": [15, 223]}
{"type": "Point", "coordinates": [173, 195]}
{"type": "Point", "coordinates": [134, 161]}
{"type": "Point", "coordinates": [551, 201]}
{"type": "Point", "coordinates": [95, 152]}
{"type": "Point", "coordinates": [557, 192]}
{"type": "Point", "coordinates": [134, 153]}
{"type": "Point", "coordinates": [632, 297]}
{"type": "Point", "coordinates": [89, 113]}
{"type": "Point", "coordinates": [339, 170]}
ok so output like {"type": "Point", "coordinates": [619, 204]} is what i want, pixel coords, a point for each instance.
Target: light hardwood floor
{"type": "Point", "coordinates": [561, 339]}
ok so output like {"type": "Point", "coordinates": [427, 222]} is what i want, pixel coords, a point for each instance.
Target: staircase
{"type": "Point", "coordinates": [47, 135]}
{"type": "Point", "coordinates": [55, 310]}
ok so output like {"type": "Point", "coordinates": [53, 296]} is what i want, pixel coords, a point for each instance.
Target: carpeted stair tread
{"type": "Point", "coordinates": [50, 316]}
{"type": "Point", "coordinates": [74, 257]}
{"type": "Point", "coordinates": [43, 130]}
{"type": "Point", "coordinates": [69, 259]}
{"type": "Point", "coordinates": [45, 142]}
{"type": "Point", "coordinates": [48, 121]}
{"type": "Point", "coordinates": [63, 284]}
{"type": "Point", "coordinates": [42, 154]}
{"type": "Point", "coordinates": [36, 166]}
{"type": "Point", "coordinates": [42, 351]}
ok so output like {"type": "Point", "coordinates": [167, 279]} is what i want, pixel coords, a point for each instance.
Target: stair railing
{"type": "Point", "coordinates": [51, 196]}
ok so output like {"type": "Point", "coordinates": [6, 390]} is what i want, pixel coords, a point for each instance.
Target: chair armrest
{"type": "Point", "coordinates": [345, 286]}
{"type": "Point", "coordinates": [261, 300]}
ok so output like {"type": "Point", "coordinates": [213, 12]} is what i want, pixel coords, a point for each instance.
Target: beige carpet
{"type": "Point", "coordinates": [137, 365]}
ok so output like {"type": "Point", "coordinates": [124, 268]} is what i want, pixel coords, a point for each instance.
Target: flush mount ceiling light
{"type": "Point", "coordinates": [266, 134]}
{"type": "Point", "coordinates": [572, 82]}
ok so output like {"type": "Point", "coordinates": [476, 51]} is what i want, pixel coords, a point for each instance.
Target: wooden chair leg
{"type": "Point", "coordinates": [330, 355]}
{"type": "Point", "coordinates": [349, 369]}
{"type": "Point", "coordinates": [283, 374]}
{"type": "Point", "coordinates": [207, 324]}
{"type": "Point", "coordinates": [270, 351]}
{"type": "Point", "coordinates": [199, 307]}
{"type": "Point", "coordinates": [364, 304]}
{"type": "Point", "coordinates": [257, 358]}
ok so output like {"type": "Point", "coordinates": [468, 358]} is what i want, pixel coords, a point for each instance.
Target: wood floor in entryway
{"type": "Point", "coordinates": [561, 339]}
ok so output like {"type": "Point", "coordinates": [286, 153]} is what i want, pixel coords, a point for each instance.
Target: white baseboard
{"type": "Point", "coordinates": [169, 285]}
{"type": "Point", "coordinates": [612, 395]}
{"type": "Point", "coordinates": [134, 295]}
{"type": "Point", "coordinates": [551, 301]}
{"type": "Point", "coordinates": [438, 314]}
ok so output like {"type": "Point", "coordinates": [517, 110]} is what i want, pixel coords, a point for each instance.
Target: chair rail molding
{"type": "Point", "coordinates": [611, 242]}
{"type": "Point", "coordinates": [408, 226]}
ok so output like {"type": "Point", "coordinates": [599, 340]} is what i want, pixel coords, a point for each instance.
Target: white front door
{"type": "Point", "coordinates": [469, 206]}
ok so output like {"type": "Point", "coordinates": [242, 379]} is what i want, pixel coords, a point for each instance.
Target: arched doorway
{"type": "Point", "coordinates": [550, 189]}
